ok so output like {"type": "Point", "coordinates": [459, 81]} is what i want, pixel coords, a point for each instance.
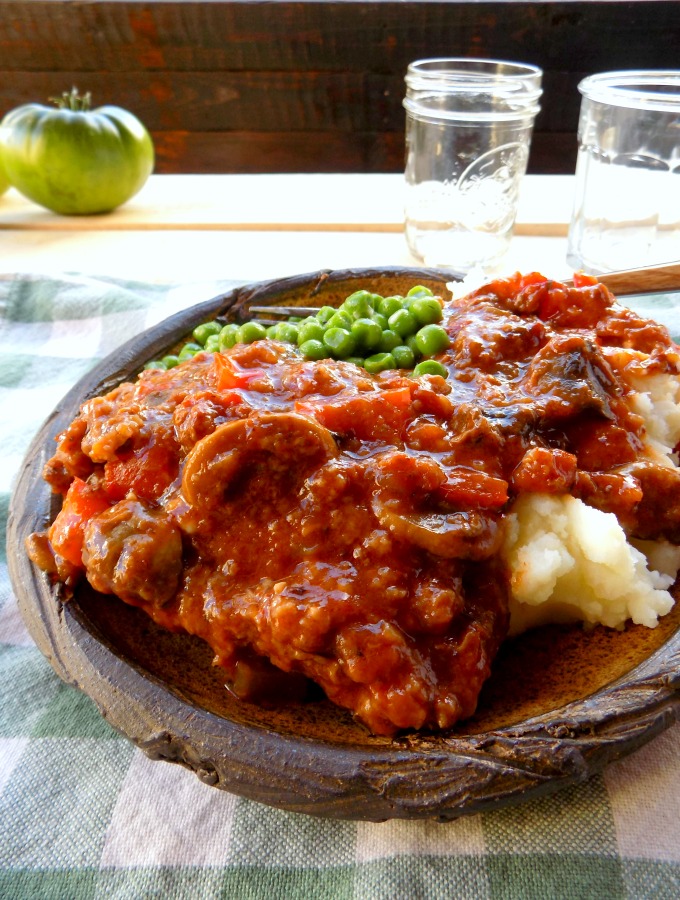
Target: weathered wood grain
{"type": "Point", "coordinates": [340, 36]}
{"type": "Point", "coordinates": [285, 84]}
{"type": "Point", "coordinates": [217, 152]}
{"type": "Point", "coordinates": [262, 101]}
{"type": "Point", "coordinates": [284, 151]}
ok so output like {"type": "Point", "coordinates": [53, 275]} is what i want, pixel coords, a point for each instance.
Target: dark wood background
{"type": "Point", "coordinates": [311, 86]}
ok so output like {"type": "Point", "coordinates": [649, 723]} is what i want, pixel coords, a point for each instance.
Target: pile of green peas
{"type": "Point", "coordinates": [369, 330]}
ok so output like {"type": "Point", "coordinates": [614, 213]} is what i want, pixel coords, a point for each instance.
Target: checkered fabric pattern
{"type": "Point", "coordinates": [84, 814]}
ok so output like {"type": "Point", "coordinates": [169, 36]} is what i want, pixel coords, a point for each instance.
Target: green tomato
{"type": "Point", "coordinates": [4, 180]}
{"type": "Point", "coordinates": [73, 160]}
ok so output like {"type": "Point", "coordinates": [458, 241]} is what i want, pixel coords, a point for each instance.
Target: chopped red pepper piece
{"type": "Point", "coordinates": [545, 470]}
{"type": "Point", "coordinates": [468, 487]}
{"type": "Point", "coordinates": [583, 280]}
{"type": "Point", "coordinates": [230, 375]}
{"type": "Point", "coordinates": [376, 415]}
{"type": "Point", "coordinates": [81, 503]}
{"type": "Point", "coordinates": [148, 474]}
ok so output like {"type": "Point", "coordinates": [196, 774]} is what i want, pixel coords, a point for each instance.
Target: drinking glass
{"type": "Point", "coordinates": [627, 199]}
{"type": "Point", "coordinates": [468, 131]}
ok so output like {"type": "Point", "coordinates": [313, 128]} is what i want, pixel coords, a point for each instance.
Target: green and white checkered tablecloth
{"type": "Point", "coordinates": [85, 814]}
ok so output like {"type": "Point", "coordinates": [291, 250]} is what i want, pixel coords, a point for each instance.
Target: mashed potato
{"type": "Point", "coordinates": [658, 402]}
{"type": "Point", "coordinates": [570, 562]}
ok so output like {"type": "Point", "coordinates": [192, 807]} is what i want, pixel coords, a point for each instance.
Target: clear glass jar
{"type": "Point", "coordinates": [627, 196]}
{"type": "Point", "coordinates": [468, 131]}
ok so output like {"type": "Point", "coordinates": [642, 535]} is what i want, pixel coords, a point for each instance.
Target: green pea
{"type": "Point", "coordinates": [189, 350]}
{"type": "Point", "coordinates": [155, 364]}
{"type": "Point", "coordinates": [314, 349]}
{"type": "Point", "coordinates": [340, 319]}
{"type": "Point", "coordinates": [403, 322]}
{"type": "Point", "coordinates": [379, 362]}
{"type": "Point", "coordinates": [387, 306]}
{"type": "Point", "coordinates": [432, 339]}
{"type": "Point", "coordinates": [367, 333]}
{"type": "Point", "coordinates": [339, 342]}
{"type": "Point", "coordinates": [388, 341]}
{"type": "Point", "coordinates": [430, 367]}
{"type": "Point", "coordinates": [170, 361]}
{"type": "Point", "coordinates": [381, 320]}
{"type": "Point", "coordinates": [413, 346]}
{"type": "Point", "coordinates": [228, 336]}
{"type": "Point", "coordinates": [212, 345]}
{"type": "Point", "coordinates": [325, 313]}
{"type": "Point", "coordinates": [359, 304]}
{"type": "Point", "coordinates": [355, 360]}
{"type": "Point", "coordinates": [419, 290]}
{"type": "Point", "coordinates": [287, 332]}
{"type": "Point", "coordinates": [273, 332]}
{"type": "Point", "coordinates": [426, 310]}
{"type": "Point", "coordinates": [251, 331]}
{"type": "Point", "coordinates": [403, 357]}
{"type": "Point", "coordinates": [310, 330]}
{"type": "Point", "coordinates": [201, 333]}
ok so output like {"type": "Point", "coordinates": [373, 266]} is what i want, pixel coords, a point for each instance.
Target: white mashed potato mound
{"type": "Point", "coordinates": [658, 402]}
{"type": "Point", "coordinates": [571, 562]}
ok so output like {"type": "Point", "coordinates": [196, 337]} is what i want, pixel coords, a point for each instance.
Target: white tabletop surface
{"type": "Point", "coordinates": [189, 228]}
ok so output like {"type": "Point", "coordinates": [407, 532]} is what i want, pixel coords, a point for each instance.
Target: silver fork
{"type": "Point", "coordinates": [648, 279]}
{"type": "Point", "coordinates": [263, 314]}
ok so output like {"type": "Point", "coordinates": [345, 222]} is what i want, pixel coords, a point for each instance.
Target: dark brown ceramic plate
{"type": "Point", "coordinates": [560, 705]}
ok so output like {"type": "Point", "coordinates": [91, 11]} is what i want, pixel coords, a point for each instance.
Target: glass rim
{"type": "Point", "coordinates": [438, 66]}
{"type": "Point", "coordinates": [518, 85]}
{"type": "Point", "coordinates": [462, 71]}
{"type": "Point", "coordinates": [634, 88]}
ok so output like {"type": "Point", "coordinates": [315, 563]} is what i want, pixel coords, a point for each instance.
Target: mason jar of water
{"type": "Point", "coordinates": [468, 131]}
{"type": "Point", "coordinates": [627, 197]}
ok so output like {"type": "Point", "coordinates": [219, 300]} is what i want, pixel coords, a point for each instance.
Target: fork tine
{"type": "Point", "coordinates": [283, 311]}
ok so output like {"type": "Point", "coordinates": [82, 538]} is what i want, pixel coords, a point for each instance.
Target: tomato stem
{"type": "Point", "coordinates": [73, 100]}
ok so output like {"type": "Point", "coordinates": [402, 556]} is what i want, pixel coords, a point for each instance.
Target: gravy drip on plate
{"type": "Point", "coordinates": [311, 519]}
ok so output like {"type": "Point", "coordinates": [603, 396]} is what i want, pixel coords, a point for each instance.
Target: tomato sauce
{"type": "Point", "coordinates": [312, 521]}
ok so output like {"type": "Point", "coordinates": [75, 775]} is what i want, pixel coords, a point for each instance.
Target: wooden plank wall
{"type": "Point", "coordinates": [311, 86]}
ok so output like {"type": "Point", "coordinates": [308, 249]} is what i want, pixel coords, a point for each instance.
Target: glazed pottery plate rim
{"type": "Point", "coordinates": [408, 777]}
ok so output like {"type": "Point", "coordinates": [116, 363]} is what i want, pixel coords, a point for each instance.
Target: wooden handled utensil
{"type": "Point", "coordinates": [645, 280]}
